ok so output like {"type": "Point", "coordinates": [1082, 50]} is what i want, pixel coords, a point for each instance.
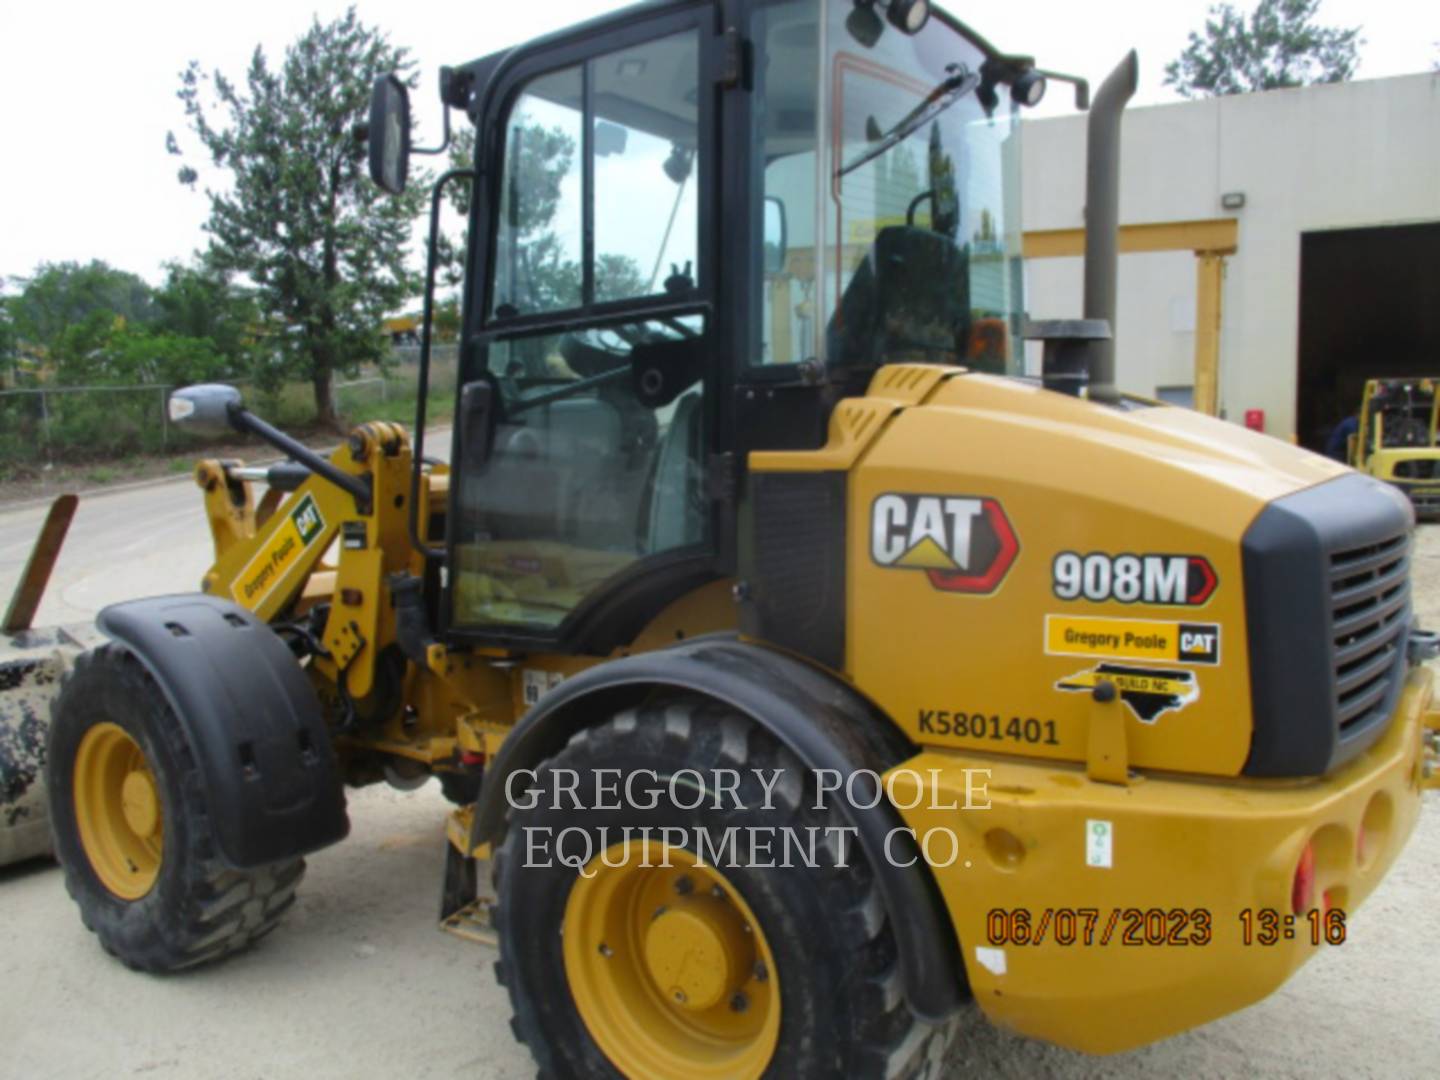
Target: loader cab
{"type": "Point", "coordinates": [696, 227]}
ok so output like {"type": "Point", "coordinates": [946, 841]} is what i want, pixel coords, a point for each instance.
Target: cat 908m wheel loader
{"type": "Point", "coordinates": [799, 667]}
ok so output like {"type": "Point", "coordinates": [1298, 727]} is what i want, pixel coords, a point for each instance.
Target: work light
{"type": "Point", "coordinates": [1028, 88]}
{"type": "Point", "coordinates": [909, 15]}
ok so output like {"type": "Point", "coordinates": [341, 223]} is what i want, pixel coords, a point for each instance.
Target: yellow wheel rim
{"type": "Point", "coordinates": [118, 811]}
{"type": "Point", "coordinates": [669, 968]}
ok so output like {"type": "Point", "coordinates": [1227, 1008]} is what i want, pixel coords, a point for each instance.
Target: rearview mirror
{"type": "Point", "coordinates": [776, 235]}
{"type": "Point", "coordinates": [204, 409]}
{"type": "Point", "coordinates": [390, 133]}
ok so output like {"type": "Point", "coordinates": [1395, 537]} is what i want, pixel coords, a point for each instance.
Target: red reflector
{"type": "Point", "coordinates": [1302, 893]}
{"type": "Point", "coordinates": [470, 758]}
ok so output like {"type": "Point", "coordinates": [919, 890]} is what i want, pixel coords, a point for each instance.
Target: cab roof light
{"type": "Point", "coordinates": [909, 16]}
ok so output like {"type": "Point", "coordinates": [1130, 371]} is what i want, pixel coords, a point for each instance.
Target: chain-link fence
{"type": "Point", "coordinates": [91, 423]}
{"type": "Point", "coordinates": [390, 394]}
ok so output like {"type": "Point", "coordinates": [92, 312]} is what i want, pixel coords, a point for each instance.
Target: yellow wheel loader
{"type": "Point", "coordinates": [796, 681]}
{"type": "Point", "coordinates": [1396, 439]}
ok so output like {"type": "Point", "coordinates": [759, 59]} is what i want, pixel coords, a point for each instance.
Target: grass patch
{"type": "Point", "coordinates": [401, 410]}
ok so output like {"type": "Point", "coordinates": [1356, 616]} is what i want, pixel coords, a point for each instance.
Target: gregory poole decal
{"type": "Point", "coordinates": [1134, 579]}
{"type": "Point", "coordinates": [1150, 692]}
{"type": "Point", "coordinates": [963, 543]}
{"type": "Point", "coordinates": [264, 571]}
{"type": "Point", "coordinates": [1132, 639]}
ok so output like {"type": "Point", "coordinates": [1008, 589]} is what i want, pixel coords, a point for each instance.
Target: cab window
{"type": "Point", "coordinates": [598, 343]}
{"type": "Point", "coordinates": [641, 137]}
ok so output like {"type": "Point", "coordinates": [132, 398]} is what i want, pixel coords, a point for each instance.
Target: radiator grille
{"type": "Point", "coordinates": [1369, 604]}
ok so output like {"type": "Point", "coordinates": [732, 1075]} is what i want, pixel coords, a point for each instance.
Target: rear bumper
{"type": "Point", "coordinates": [1208, 851]}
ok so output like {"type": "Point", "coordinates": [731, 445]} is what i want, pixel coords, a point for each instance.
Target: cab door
{"type": "Point", "coordinates": [594, 332]}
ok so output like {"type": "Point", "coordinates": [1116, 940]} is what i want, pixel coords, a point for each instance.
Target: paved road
{"type": "Point", "coordinates": [121, 545]}
{"type": "Point", "coordinates": [358, 983]}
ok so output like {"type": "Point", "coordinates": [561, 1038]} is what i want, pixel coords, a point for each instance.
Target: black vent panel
{"type": "Point", "coordinates": [794, 572]}
{"type": "Point", "coordinates": [1369, 602]}
{"type": "Point", "coordinates": [1327, 603]}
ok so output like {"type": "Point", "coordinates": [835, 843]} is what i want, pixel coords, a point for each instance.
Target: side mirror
{"type": "Point", "coordinates": [204, 409]}
{"type": "Point", "coordinates": [390, 133]}
{"type": "Point", "coordinates": [777, 235]}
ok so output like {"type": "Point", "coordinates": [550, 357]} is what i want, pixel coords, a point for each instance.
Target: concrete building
{"type": "Point", "coordinates": [1318, 210]}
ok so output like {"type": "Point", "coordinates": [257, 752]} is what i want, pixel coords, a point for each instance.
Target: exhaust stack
{"type": "Point", "coordinates": [1102, 218]}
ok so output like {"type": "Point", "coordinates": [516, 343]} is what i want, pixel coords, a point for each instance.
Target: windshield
{"type": "Point", "coordinates": [887, 153]}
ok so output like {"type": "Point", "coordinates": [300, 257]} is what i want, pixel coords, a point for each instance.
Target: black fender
{"type": "Point", "coordinates": [253, 720]}
{"type": "Point", "coordinates": [825, 722]}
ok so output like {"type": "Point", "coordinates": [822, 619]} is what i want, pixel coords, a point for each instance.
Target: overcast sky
{"type": "Point", "coordinates": [89, 89]}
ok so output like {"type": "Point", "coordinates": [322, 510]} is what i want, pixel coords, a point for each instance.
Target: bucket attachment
{"type": "Point", "coordinates": [32, 663]}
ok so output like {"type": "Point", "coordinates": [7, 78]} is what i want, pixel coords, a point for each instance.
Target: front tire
{"type": "Point", "coordinates": [740, 970]}
{"type": "Point", "coordinates": [127, 804]}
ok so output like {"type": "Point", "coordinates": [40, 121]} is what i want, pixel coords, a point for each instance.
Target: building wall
{"type": "Point", "coordinates": [1325, 157]}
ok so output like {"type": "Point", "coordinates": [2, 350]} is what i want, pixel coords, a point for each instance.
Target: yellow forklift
{"type": "Point", "coordinates": [796, 681]}
{"type": "Point", "coordinates": [1396, 439]}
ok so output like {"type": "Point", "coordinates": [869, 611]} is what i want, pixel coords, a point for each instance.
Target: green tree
{"type": "Point", "coordinates": [143, 355]}
{"type": "Point", "coordinates": [1277, 46]}
{"type": "Point", "coordinates": [325, 248]}
{"type": "Point", "coordinates": [200, 302]}
{"type": "Point", "coordinates": [63, 297]}
{"type": "Point", "coordinates": [8, 338]}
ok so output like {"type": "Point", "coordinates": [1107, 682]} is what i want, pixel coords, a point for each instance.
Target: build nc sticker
{"type": "Point", "coordinates": [1149, 692]}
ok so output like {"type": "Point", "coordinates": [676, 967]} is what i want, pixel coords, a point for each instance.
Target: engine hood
{"type": "Point", "coordinates": [1150, 445]}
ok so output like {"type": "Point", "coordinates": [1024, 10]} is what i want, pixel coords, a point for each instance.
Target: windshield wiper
{"type": "Point", "coordinates": [962, 81]}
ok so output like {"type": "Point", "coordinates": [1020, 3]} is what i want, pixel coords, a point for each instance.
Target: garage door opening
{"type": "Point", "coordinates": [1369, 308]}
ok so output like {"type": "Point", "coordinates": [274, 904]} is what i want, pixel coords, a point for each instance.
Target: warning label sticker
{"type": "Point", "coordinates": [1133, 639]}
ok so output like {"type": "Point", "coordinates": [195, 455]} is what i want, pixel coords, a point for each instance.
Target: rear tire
{"type": "Point", "coordinates": [171, 902]}
{"type": "Point", "coordinates": [836, 978]}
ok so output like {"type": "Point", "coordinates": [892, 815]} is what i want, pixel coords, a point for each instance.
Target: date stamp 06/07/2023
{"type": "Point", "coordinates": [1088, 926]}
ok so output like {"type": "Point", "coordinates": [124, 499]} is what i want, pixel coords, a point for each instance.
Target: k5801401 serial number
{"type": "Point", "coordinates": [988, 728]}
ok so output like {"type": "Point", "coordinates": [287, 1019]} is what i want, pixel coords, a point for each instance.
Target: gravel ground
{"type": "Point", "coordinates": [357, 982]}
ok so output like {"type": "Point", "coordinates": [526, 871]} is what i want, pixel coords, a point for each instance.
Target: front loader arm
{"type": "Point", "coordinates": [269, 558]}
{"type": "Point", "coordinates": [265, 570]}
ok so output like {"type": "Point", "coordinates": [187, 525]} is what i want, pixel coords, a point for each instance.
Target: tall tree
{"type": "Point", "coordinates": [1278, 45]}
{"type": "Point", "coordinates": [325, 248]}
{"type": "Point", "coordinates": [199, 301]}
{"type": "Point", "coordinates": [8, 340]}
{"type": "Point", "coordinates": [60, 296]}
